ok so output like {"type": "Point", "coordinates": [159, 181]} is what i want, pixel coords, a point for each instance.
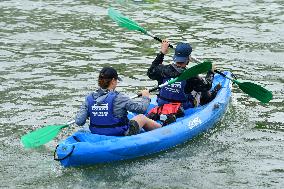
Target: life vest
{"type": "Point", "coordinates": [166, 113]}
{"type": "Point", "coordinates": [101, 113]}
{"type": "Point", "coordinates": [174, 93]}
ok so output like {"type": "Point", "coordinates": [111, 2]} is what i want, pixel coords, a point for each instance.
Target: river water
{"type": "Point", "coordinates": [50, 55]}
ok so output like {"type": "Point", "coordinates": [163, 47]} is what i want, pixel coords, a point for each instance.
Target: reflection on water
{"type": "Point", "coordinates": [51, 51]}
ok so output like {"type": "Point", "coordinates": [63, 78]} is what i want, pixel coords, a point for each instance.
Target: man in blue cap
{"type": "Point", "coordinates": [191, 92]}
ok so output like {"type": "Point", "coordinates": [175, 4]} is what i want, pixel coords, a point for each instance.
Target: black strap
{"type": "Point", "coordinates": [160, 109]}
{"type": "Point", "coordinates": [76, 138]}
{"type": "Point", "coordinates": [108, 126]}
{"type": "Point", "coordinates": [59, 159]}
{"type": "Point", "coordinates": [120, 124]}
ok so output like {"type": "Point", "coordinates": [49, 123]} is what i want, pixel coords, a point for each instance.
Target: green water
{"type": "Point", "coordinates": [50, 54]}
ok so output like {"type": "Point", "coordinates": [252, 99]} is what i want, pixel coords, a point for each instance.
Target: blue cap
{"type": "Point", "coordinates": [182, 52]}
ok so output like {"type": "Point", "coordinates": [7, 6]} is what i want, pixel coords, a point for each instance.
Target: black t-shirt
{"type": "Point", "coordinates": [159, 72]}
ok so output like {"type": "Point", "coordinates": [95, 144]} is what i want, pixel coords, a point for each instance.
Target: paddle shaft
{"type": "Point", "coordinates": [157, 38]}
{"type": "Point", "coordinates": [171, 46]}
{"type": "Point", "coordinates": [251, 89]}
{"type": "Point", "coordinates": [70, 122]}
{"type": "Point", "coordinates": [156, 88]}
{"type": "Point", "coordinates": [217, 71]}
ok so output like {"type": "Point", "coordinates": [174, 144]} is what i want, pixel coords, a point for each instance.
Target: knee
{"type": "Point", "coordinates": [140, 116]}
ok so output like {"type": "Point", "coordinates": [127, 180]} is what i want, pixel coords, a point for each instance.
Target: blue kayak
{"type": "Point", "coordinates": [84, 148]}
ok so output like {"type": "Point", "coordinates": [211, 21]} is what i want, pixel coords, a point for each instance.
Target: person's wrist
{"type": "Point", "coordinates": [146, 97]}
{"type": "Point", "coordinates": [211, 72]}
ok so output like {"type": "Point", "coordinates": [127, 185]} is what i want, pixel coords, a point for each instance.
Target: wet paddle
{"type": "Point", "coordinates": [45, 134]}
{"type": "Point", "coordinates": [253, 90]}
{"type": "Point", "coordinates": [249, 88]}
{"type": "Point", "coordinates": [125, 22]}
{"type": "Point", "coordinates": [186, 74]}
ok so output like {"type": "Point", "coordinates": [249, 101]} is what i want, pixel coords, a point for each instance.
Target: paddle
{"type": "Point", "coordinates": [253, 90]}
{"type": "Point", "coordinates": [45, 134]}
{"type": "Point", "coordinates": [125, 22]}
{"type": "Point", "coordinates": [186, 74]}
{"type": "Point", "coordinates": [249, 88]}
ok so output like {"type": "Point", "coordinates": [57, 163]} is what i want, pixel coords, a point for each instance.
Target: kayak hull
{"type": "Point", "coordinates": [84, 148]}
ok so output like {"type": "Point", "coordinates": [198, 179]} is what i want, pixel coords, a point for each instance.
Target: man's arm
{"type": "Point", "coordinates": [209, 79]}
{"type": "Point", "coordinates": [123, 103]}
{"type": "Point", "coordinates": [83, 114]}
{"type": "Point", "coordinates": [156, 69]}
{"type": "Point", "coordinates": [138, 106]}
{"type": "Point", "coordinates": [200, 84]}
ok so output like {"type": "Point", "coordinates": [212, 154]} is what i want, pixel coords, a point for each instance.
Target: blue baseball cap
{"type": "Point", "coordinates": [182, 52]}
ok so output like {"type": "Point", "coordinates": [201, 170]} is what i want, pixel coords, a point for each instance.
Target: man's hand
{"type": "Point", "coordinates": [214, 67]}
{"type": "Point", "coordinates": [165, 46]}
{"type": "Point", "coordinates": [145, 93]}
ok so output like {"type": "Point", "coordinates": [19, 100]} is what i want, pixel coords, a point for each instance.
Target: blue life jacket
{"type": "Point", "coordinates": [101, 113]}
{"type": "Point", "coordinates": [174, 93]}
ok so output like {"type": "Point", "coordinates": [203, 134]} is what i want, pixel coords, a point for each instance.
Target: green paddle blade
{"type": "Point", "coordinates": [255, 91]}
{"type": "Point", "coordinates": [123, 21]}
{"type": "Point", "coordinates": [195, 70]}
{"type": "Point", "coordinates": [41, 136]}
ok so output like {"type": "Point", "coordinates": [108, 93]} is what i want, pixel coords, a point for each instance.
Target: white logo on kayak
{"type": "Point", "coordinates": [193, 123]}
